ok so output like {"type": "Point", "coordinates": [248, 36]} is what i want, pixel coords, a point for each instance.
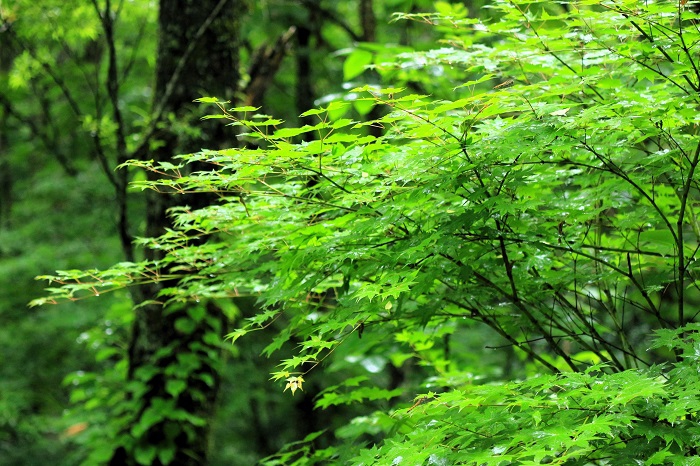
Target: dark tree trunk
{"type": "Point", "coordinates": [173, 364]}
{"type": "Point", "coordinates": [304, 83]}
{"type": "Point", "coordinates": [368, 22]}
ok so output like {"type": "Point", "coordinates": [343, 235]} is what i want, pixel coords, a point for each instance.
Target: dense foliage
{"type": "Point", "coordinates": [78, 95]}
{"type": "Point", "coordinates": [549, 197]}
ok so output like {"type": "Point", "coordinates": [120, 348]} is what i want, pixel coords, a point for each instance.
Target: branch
{"type": "Point", "coordinates": [120, 180]}
{"type": "Point", "coordinates": [99, 149]}
{"type": "Point", "coordinates": [51, 146]}
{"type": "Point", "coordinates": [682, 266]}
{"type": "Point", "coordinates": [657, 47]}
{"type": "Point", "coordinates": [55, 77]}
{"type": "Point", "coordinates": [333, 18]}
{"type": "Point", "coordinates": [265, 64]}
{"type": "Point", "coordinates": [112, 77]}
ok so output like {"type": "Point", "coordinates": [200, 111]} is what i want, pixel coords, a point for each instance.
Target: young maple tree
{"type": "Point", "coordinates": [551, 199]}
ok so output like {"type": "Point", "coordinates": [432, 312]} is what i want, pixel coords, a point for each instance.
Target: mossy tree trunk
{"type": "Point", "coordinates": [174, 359]}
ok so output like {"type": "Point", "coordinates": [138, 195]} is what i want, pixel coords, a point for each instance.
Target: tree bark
{"type": "Point", "coordinates": [171, 346]}
{"type": "Point", "coordinates": [368, 21]}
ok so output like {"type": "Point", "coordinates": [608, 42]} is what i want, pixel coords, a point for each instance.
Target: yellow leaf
{"type": "Point", "coordinates": [561, 112]}
{"type": "Point", "coordinates": [294, 383]}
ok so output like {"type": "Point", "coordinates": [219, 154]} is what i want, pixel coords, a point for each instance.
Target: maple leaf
{"type": "Point", "coordinates": [294, 383]}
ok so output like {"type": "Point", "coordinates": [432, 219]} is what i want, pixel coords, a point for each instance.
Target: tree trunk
{"type": "Point", "coordinates": [368, 21]}
{"type": "Point", "coordinates": [173, 357]}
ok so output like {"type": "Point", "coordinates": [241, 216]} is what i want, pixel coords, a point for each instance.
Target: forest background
{"type": "Point", "coordinates": [486, 226]}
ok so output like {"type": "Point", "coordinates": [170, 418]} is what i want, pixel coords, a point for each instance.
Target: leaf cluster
{"type": "Point", "coordinates": [552, 199]}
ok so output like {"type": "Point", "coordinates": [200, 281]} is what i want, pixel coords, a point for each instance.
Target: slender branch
{"type": "Point", "coordinates": [58, 80]}
{"type": "Point", "coordinates": [514, 298]}
{"type": "Point", "coordinates": [685, 48]}
{"type": "Point", "coordinates": [121, 178]}
{"type": "Point", "coordinates": [113, 78]}
{"type": "Point", "coordinates": [134, 51]}
{"type": "Point", "coordinates": [264, 65]}
{"type": "Point", "coordinates": [657, 47]}
{"type": "Point", "coordinates": [546, 48]}
{"type": "Point", "coordinates": [614, 169]}
{"type": "Point", "coordinates": [647, 66]}
{"type": "Point", "coordinates": [682, 266]}
{"type": "Point", "coordinates": [333, 17]}
{"type": "Point", "coordinates": [495, 325]}
{"type": "Point", "coordinates": [48, 143]}
{"type": "Point", "coordinates": [324, 176]}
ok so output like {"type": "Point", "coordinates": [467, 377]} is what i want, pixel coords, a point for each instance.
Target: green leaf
{"type": "Point", "coordinates": [145, 454]}
{"type": "Point", "coordinates": [175, 386]}
{"type": "Point", "coordinates": [355, 63]}
{"type": "Point", "coordinates": [185, 325]}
